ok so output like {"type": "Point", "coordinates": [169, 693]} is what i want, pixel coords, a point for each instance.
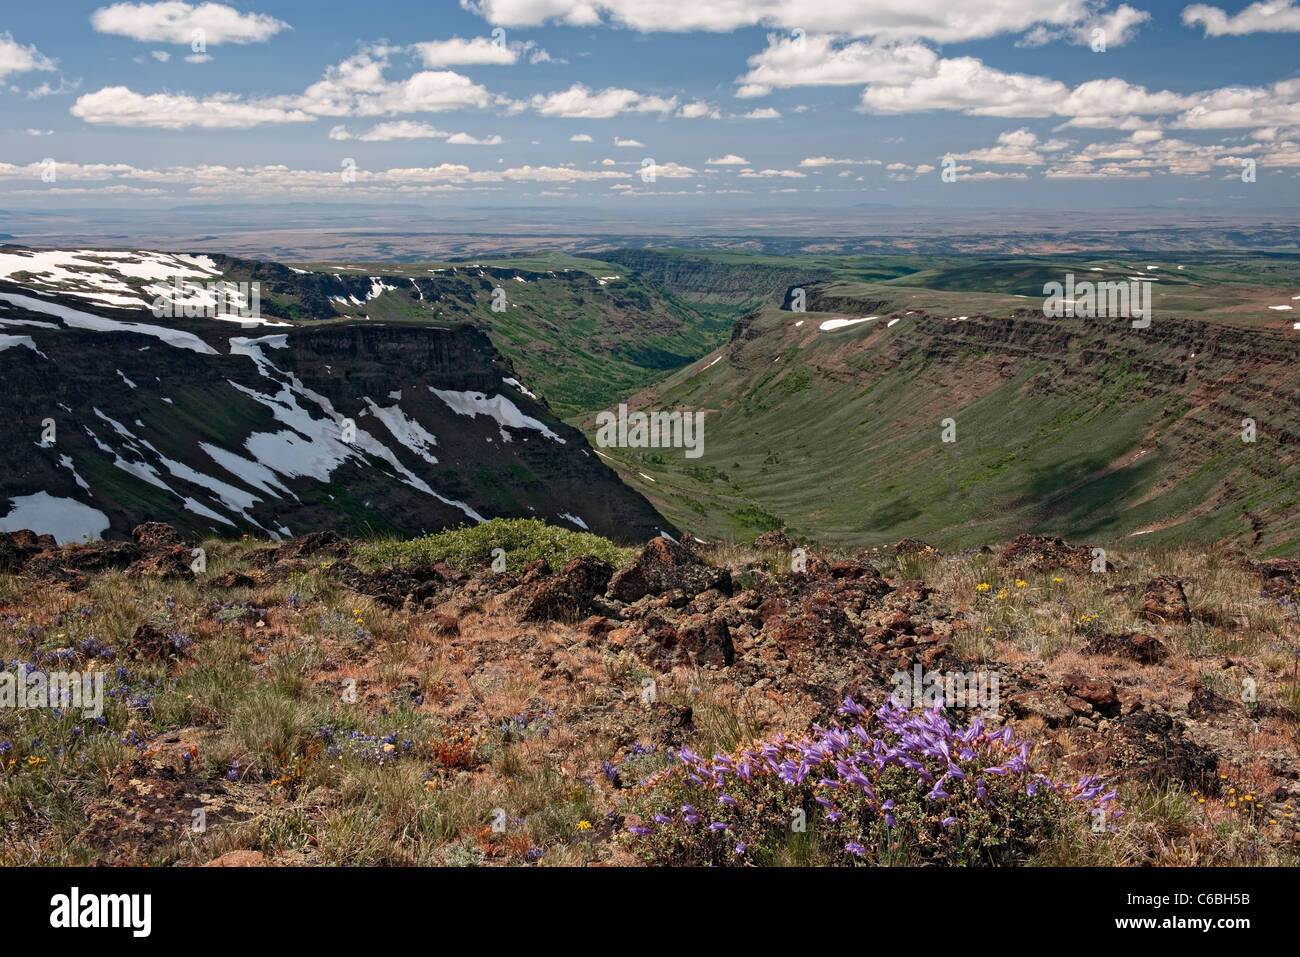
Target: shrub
{"type": "Point", "coordinates": [523, 539]}
{"type": "Point", "coordinates": [912, 789]}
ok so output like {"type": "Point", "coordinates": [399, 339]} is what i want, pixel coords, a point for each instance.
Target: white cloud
{"type": "Point", "coordinates": [475, 51]}
{"type": "Point", "coordinates": [162, 56]}
{"type": "Point", "coordinates": [580, 138]}
{"type": "Point", "coordinates": [1235, 107]}
{"type": "Point", "coordinates": [826, 161]}
{"type": "Point", "coordinates": [396, 130]}
{"type": "Point", "coordinates": [673, 171]}
{"type": "Point", "coordinates": [938, 20]}
{"type": "Point", "coordinates": [968, 85]}
{"type": "Point", "coordinates": [731, 159]}
{"type": "Point", "coordinates": [1016, 147]}
{"type": "Point", "coordinates": [1114, 27]}
{"type": "Point", "coordinates": [580, 102]}
{"type": "Point", "coordinates": [699, 109]}
{"type": "Point", "coordinates": [464, 139]}
{"type": "Point", "coordinates": [1271, 16]}
{"type": "Point", "coordinates": [177, 22]}
{"type": "Point", "coordinates": [45, 89]}
{"type": "Point", "coordinates": [912, 78]}
{"type": "Point", "coordinates": [410, 130]}
{"type": "Point", "coordinates": [120, 106]}
{"type": "Point", "coordinates": [34, 132]}
{"type": "Point", "coordinates": [17, 58]}
{"type": "Point", "coordinates": [632, 144]}
{"type": "Point", "coordinates": [818, 60]}
{"type": "Point", "coordinates": [763, 113]}
{"type": "Point", "coordinates": [358, 87]}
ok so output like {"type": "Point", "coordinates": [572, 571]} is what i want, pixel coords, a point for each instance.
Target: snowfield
{"type": "Point", "coordinates": [75, 319]}
{"type": "Point", "coordinates": [101, 275]}
{"type": "Point", "coordinates": [500, 408]}
{"type": "Point", "coordinates": [65, 518]}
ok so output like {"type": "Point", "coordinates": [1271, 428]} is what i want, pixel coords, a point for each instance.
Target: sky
{"type": "Point", "coordinates": [621, 105]}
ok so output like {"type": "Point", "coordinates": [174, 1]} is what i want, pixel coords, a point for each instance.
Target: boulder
{"type": "Point", "coordinates": [1165, 603]}
{"type": "Point", "coordinates": [1100, 694]}
{"type": "Point", "coordinates": [664, 565]}
{"type": "Point", "coordinates": [567, 595]}
{"type": "Point", "coordinates": [1046, 705]}
{"type": "Point", "coordinates": [169, 561]}
{"type": "Point", "coordinates": [1040, 553]}
{"type": "Point", "coordinates": [155, 534]}
{"type": "Point", "coordinates": [1135, 646]}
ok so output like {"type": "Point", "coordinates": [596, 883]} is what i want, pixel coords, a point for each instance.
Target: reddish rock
{"type": "Point", "coordinates": [1078, 705]}
{"type": "Point", "coordinates": [445, 625]}
{"type": "Point", "coordinates": [328, 543]}
{"type": "Point", "coordinates": [706, 640]}
{"type": "Point", "coordinates": [664, 565]}
{"type": "Point", "coordinates": [232, 579]}
{"type": "Point", "coordinates": [1100, 694]}
{"type": "Point", "coordinates": [775, 541]}
{"type": "Point", "coordinates": [1041, 553]}
{"type": "Point", "coordinates": [1165, 603]}
{"type": "Point", "coordinates": [155, 535]}
{"type": "Point", "coordinates": [567, 596]}
{"type": "Point", "coordinates": [1046, 705]}
{"type": "Point", "coordinates": [149, 642]}
{"type": "Point", "coordinates": [171, 561]}
{"type": "Point", "coordinates": [1142, 648]}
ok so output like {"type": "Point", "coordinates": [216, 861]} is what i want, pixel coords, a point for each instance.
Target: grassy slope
{"type": "Point", "coordinates": [580, 343]}
{"type": "Point", "coordinates": [838, 433]}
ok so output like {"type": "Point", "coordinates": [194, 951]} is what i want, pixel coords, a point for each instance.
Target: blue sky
{"type": "Point", "coordinates": [616, 104]}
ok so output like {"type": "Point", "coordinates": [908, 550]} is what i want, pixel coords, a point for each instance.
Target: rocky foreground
{"type": "Point", "coordinates": [303, 703]}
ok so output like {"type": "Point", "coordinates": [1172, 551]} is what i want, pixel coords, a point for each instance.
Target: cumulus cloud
{"type": "Point", "coordinates": [18, 58]}
{"type": "Point", "coordinates": [358, 87]}
{"type": "Point", "coordinates": [938, 20]}
{"type": "Point", "coordinates": [1015, 147]}
{"type": "Point", "coordinates": [120, 106]}
{"type": "Point", "coordinates": [820, 60]}
{"type": "Point", "coordinates": [178, 22]}
{"type": "Point", "coordinates": [1114, 28]}
{"type": "Point", "coordinates": [580, 138]}
{"type": "Point", "coordinates": [581, 102]}
{"type": "Point", "coordinates": [699, 109]}
{"type": "Point", "coordinates": [411, 130]}
{"type": "Point", "coordinates": [731, 159]}
{"type": "Point", "coordinates": [826, 161]}
{"type": "Point", "coordinates": [474, 51]}
{"type": "Point", "coordinates": [464, 139]}
{"type": "Point", "coordinates": [396, 130]}
{"type": "Point", "coordinates": [1270, 16]}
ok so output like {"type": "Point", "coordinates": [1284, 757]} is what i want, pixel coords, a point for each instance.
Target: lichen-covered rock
{"type": "Point", "coordinates": [1165, 603]}
{"type": "Point", "coordinates": [664, 565]}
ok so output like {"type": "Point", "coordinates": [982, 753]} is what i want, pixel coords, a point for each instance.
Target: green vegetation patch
{"type": "Point", "coordinates": [524, 540]}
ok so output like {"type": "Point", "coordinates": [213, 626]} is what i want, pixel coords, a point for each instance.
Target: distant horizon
{"type": "Point", "coordinates": [639, 110]}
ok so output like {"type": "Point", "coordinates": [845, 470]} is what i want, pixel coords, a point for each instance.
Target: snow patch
{"type": "Point", "coordinates": [65, 518]}
{"type": "Point", "coordinates": [575, 520]}
{"type": "Point", "coordinates": [500, 408]}
{"type": "Point", "coordinates": [830, 324]}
